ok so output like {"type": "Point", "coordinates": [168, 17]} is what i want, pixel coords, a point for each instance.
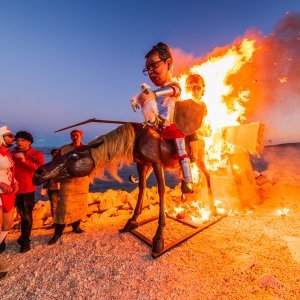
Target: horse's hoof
{"type": "Point", "coordinates": [132, 179]}
{"type": "Point", "coordinates": [158, 245]}
{"type": "Point", "coordinates": [130, 225]}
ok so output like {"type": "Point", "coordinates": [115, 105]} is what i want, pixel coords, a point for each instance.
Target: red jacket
{"type": "Point", "coordinates": [24, 171]}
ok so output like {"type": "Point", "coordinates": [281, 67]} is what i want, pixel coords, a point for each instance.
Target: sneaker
{"type": "Point", "coordinates": [2, 247]}
{"type": "Point", "coordinates": [25, 247]}
{"type": "Point", "coordinates": [54, 239]}
{"type": "Point", "coordinates": [77, 230]}
{"type": "Point", "coordinates": [2, 274]}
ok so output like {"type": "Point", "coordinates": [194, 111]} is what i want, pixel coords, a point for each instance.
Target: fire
{"type": "Point", "coordinates": [215, 72]}
{"type": "Point", "coordinates": [225, 107]}
{"type": "Point", "coordinates": [283, 80]}
{"type": "Point", "coordinates": [283, 212]}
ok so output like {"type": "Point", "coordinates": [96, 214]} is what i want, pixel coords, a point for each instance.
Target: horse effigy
{"type": "Point", "coordinates": [128, 143]}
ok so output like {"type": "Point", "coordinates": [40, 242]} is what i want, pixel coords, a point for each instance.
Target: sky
{"type": "Point", "coordinates": [62, 62]}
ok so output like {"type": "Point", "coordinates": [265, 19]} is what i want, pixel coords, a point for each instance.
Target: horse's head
{"type": "Point", "coordinates": [77, 163]}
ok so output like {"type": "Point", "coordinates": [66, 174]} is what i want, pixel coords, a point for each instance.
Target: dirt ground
{"type": "Point", "coordinates": [246, 255]}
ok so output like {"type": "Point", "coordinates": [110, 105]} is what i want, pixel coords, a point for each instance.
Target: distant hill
{"type": "Point", "coordinates": [44, 150]}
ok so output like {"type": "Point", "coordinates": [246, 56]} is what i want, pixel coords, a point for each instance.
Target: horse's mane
{"type": "Point", "coordinates": [116, 149]}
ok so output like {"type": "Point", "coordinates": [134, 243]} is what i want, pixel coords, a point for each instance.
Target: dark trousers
{"type": "Point", "coordinates": [25, 204]}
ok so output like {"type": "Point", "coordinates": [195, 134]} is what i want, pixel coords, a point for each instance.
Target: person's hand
{"type": "Point", "coordinates": [144, 98]}
{"type": "Point", "coordinates": [15, 187]}
{"type": "Point", "coordinates": [20, 157]}
{"type": "Point", "coordinates": [7, 189]}
{"type": "Point", "coordinates": [44, 192]}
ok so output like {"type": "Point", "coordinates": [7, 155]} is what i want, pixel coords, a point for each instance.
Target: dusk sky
{"type": "Point", "coordinates": [63, 62]}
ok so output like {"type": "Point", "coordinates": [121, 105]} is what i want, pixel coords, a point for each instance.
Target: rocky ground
{"type": "Point", "coordinates": [247, 255]}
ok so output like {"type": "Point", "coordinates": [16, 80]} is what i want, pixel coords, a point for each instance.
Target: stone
{"type": "Point", "coordinates": [268, 281]}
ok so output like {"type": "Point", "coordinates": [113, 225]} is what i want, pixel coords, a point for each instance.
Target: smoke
{"type": "Point", "coordinates": [272, 77]}
{"type": "Point", "coordinates": [284, 161]}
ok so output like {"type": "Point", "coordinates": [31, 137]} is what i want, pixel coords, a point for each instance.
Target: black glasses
{"type": "Point", "coordinates": [9, 135]}
{"type": "Point", "coordinates": [151, 67]}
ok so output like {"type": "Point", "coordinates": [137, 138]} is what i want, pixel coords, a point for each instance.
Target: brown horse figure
{"type": "Point", "coordinates": [128, 143]}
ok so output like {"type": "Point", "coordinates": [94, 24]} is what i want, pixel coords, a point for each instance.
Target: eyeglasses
{"type": "Point", "coordinates": [9, 135]}
{"type": "Point", "coordinates": [151, 67]}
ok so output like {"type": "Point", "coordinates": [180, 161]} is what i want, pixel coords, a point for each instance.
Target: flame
{"type": "Point", "coordinates": [283, 212]}
{"type": "Point", "coordinates": [225, 107]}
{"type": "Point", "coordinates": [222, 108]}
{"type": "Point", "coordinates": [283, 80]}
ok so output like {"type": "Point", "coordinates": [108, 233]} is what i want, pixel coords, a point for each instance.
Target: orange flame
{"type": "Point", "coordinates": [225, 107]}
{"type": "Point", "coordinates": [217, 97]}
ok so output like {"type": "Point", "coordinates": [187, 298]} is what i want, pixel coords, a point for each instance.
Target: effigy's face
{"type": "Point", "coordinates": [158, 70]}
{"type": "Point", "coordinates": [195, 86]}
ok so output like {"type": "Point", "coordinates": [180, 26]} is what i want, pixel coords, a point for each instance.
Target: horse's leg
{"type": "Point", "coordinates": [132, 223]}
{"type": "Point", "coordinates": [202, 167]}
{"type": "Point", "coordinates": [158, 240]}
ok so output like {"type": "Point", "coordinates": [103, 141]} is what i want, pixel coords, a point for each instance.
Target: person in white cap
{"type": "Point", "coordinates": [8, 189]}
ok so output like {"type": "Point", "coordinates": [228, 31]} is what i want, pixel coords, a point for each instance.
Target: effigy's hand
{"type": "Point", "coordinates": [144, 98]}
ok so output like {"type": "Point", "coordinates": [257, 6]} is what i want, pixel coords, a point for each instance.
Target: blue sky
{"type": "Point", "coordinates": [66, 61]}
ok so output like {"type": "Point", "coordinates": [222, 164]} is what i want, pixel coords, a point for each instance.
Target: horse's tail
{"type": "Point", "coordinates": [115, 150]}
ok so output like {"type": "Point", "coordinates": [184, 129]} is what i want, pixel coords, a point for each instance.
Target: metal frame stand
{"type": "Point", "coordinates": [177, 242]}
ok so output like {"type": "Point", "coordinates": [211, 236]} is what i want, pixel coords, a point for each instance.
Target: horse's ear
{"type": "Point", "coordinates": [96, 144]}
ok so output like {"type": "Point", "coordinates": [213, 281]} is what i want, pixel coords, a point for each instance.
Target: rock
{"type": "Point", "coordinates": [256, 174]}
{"type": "Point", "coordinates": [132, 202]}
{"type": "Point", "coordinates": [261, 180]}
{"type": "Point", "coordinates": [176, 193]}
{"type": "Point", "coordinates": [108, 213]}
{"type": "Point", "coordinates": [122, 212]}
{"type": "Point", "coordinates": [109, 200]}
{"type": "Point", "coordinates": [269, 175]}
{"type": "Point", "coordinates": [293, 244]}
{"type": "Point", "coordinates": [93, 208]}
{"type": "Point", "coordinates": [48, 221]}
{"type": "Point", "coordinates": [245, 262]}
{"type": "Point", "coordinates": [124, 196]}
{"type": "Point", "coordinates": [268, 281]}
{"type": "Point", "coordinates": [41, 213]}
{"type": "Point", "coordinates": [126, 206]}
{"type": "Point", "coordinates": [94, 198]}
{"type": "Point", "coordinates": [95, 217]}
{"type": "Point", "coordinates": [266, 186]}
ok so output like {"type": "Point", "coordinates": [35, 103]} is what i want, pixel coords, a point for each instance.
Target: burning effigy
{"type": "Point", "coordinates": [227, 137]}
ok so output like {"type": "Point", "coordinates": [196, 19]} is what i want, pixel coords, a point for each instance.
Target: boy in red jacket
{"type": "Point", "coordinates": [27, 160]}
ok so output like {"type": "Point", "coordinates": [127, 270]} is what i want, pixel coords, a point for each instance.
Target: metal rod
{"type": "Point", "coordinates": [186, 237]}
{"type": "Point", "coordinates": [94, 120]}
